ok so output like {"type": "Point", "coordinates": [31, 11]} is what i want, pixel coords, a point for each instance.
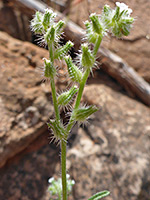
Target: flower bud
{"type": "Point", "coordinates": [96, 24]}
{"type": "Point", "coordinates": [87, 58]}
{"type": "Point", "coordinates": [123, 7]}
{"type": "Point", "coordinates": [83, 113]}
{"type": "Point", "coordinates": [62, 51]}
{"type": "Point", "coordinates": [49, 70]}
{"type": "Point", "coordinates": [65, 98]}
{"type": "Point", "coordinates": [74, 72]}
{"type": "Point", "coordinates": [58, 129]}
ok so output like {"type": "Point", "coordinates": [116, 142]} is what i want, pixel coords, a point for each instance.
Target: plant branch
{"type": "Point", "coordinates": [63, 169]}
{"type": "Point", "coordinates": [97, 45]}
{"type": "Point", "coordinates": [52, 83]}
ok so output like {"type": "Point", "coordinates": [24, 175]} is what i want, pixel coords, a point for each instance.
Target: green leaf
{"type": "Point", "coordinates": [99, 195]}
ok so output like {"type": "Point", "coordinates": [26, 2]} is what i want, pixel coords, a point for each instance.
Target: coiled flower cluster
{"type": "Point", "coordinates": [116, 21]}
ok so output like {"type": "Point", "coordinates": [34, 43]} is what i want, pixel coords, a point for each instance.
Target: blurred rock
{"type": "Point", "coordinates": [113, 151]}
{"type": "Point", "coordinates": [14, 22]}
{"type": "Point", "coordinates": [26, 176]}
{"type": "Point", "coordinates": [24, 102]}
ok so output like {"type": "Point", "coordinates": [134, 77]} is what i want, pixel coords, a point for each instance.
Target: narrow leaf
{"type": "Point", "coordinates": [99, 195]}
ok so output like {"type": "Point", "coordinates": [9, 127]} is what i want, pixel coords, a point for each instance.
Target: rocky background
{"type": "Point", "coordinates": [111, 152]}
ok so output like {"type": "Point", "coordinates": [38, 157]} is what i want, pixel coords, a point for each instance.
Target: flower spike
{"type": "Point", "coordinates": [116, 21]}
{"type": "Point", "coordinates": [121, 21]}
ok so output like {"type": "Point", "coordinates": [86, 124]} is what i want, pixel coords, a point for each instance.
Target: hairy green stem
{"type": "Point", "coordinates": [63, 142]}
{"type": "Point", "coordinates": [97, 45]}
{"type": "Point", "coordinates": [51, 53]}
{"type": "Point", "coordinates": [52, 82]}
{"type": "Point", "coordinates": [82, 84]}
{"type": "Point", "coordinates": [63, 169]}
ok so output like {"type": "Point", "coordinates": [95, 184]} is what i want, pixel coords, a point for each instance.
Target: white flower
{"type": "Point", "coordinates": [68, 176]}
{"type": "Point", "coordinates": [123, 6]}
{"type": "Point", "coordinates": [72, 182]}
{"type": "Point", "coordinates": [50, 180]}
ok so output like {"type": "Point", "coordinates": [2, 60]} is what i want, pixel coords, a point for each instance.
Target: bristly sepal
{"type": "Point", "coordinates": [49, 70]}
{"type": "Point", "coordinates": [65, 98]}
{"type": "Point", "coordinates": [90, 34]}
{"type": "Point", "coordinates": [58, 130]}
{"type": "Point", "coordinates": [44, 24]}
{"type": "Point", "coordinates": [83, 113]}
{"type": "Point", "coordinates": [59, 26]}
{"type": "Point", "coordinates": [116, 21]}
{"type": "Point", "coordinates": [62, 51]}
{"type": "Point", "coordinates": [74, 72]}
{"type": "Point", "coordinates": [48, 18]}
{"type": "Point", "coordinates": [50, 35]}
{"type": "Point", "coordinates": [96, 24]}
{"type": "Point", "coordinates": [36, 23]}
{"type": "Point", "coordinates": [106, 17]}
{"type": "Point", "coordinates": [87, 58]}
